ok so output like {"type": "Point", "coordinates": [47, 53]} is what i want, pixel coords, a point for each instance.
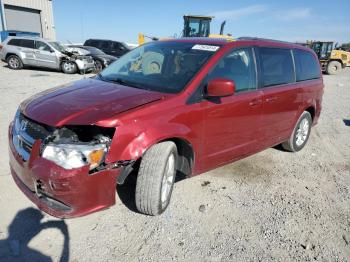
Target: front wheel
{"type": "Point", "coordinates": [155, 179]}
{"type": "Point", "coordinates": [69, 67]}
{"type": "Point", "coordinates": [98, 66]}
{"type": "Point", "coordinates": [300, 133]}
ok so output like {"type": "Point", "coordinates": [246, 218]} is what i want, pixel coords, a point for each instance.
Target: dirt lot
{"type": "Point", "coordinates": [273, 206]}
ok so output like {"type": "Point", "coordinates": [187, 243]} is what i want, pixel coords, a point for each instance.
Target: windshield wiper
{"type": "Point", "coordinates": [119, 81]}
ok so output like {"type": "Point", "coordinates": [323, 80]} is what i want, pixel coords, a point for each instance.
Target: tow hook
{"type": "Point", "coordinates": [39, 187]}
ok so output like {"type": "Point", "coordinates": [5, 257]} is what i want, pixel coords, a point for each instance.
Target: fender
{"type": "Point", "coordinates": [142, 140]}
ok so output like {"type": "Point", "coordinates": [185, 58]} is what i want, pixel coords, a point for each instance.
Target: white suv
{"type": "Point", "coordinates": [38, 52]}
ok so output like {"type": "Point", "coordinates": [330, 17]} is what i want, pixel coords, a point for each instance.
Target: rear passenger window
{"type": "Point", "coordinates": [276, 66]}
{"type": "Point", "coordinates": [104, 44]}
{"type": "Point", "coordinates": [239, 66]}
{"type": "Point", "coordinates": [27, 43]}
{"type": "Point", "coordinates": [306, 65]}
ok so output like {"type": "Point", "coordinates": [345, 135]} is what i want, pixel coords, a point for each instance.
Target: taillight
{"type": "Point", "coordinates": [0, 47]}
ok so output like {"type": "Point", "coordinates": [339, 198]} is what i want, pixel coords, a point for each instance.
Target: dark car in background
{"type": "Point", "coordinates": [101, 59]}
{"type": "Point", "coordinates": [109, 47]}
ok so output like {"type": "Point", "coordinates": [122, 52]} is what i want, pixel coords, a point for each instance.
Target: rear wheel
{"type": "Point", "coordinates": [155, 179]}
{"type": "Point", "coordinates": [300, 133]}
{"type": "Point", "coordinates": [14, 62]}
{"type": "Point", "coordinates": [333, 67]}
{"type": "Point", "coordinates": [69, 67]}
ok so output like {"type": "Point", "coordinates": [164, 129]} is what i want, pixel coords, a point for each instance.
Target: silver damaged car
{"type": "Point", "coordinates": [19, 52]}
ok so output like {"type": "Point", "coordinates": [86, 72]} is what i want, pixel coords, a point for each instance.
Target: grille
{"type": "Point", "coordinates": [25, 132]}
{"type": "Point", "coordinates": [86, 59]}
{"type": "Point", "coordinates": [26, 146]}
{"type": "Point", "coordinates": [33, 129]}
{"type": "Point", "coordinates": [89, 60]}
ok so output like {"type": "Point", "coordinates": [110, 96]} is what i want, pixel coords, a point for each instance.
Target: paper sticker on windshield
{"type": "Point", "coordinates": [211, 48]}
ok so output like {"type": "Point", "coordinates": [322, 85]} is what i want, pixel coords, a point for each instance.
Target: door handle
{"type": "Point", "coordinates": [37, 52]}
{"type": "Point", "coordinates": [255, 102]}
{"type": "Point", "coordinates": [271, 99]}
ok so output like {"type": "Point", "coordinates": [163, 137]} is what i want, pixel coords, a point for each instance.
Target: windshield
{"type": "Point", "coordinates": [93, 50]}
{"type": "Point", "coordinates": [159, 66]}
{"type": "Point", "coordinates": [58, 46]}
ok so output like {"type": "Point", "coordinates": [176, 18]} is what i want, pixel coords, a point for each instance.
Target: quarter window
{"type": "Point", "coordinates": [15, 42]}
{"type": "Point", "coordinates": [239, 66]}
{"type": "Point", "coordinates": [277, 66]}
{"type": "Point", "coordinates": [306, 65]}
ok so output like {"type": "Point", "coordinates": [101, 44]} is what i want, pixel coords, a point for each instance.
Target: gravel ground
{"type": "Point", "coordinates": [273, 206]}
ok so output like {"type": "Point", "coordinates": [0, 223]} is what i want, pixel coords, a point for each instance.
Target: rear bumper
{"type": "Point", "coordinates": [2, 56]}
{"type": "Point", "coordinates": [60, 192]}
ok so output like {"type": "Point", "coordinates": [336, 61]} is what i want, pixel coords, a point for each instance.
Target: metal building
{"type": "Point", "coordinates": [28, 15]}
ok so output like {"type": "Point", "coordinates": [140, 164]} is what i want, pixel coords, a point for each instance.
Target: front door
{"type": "Point", "coordinates": [232, 124]}
{"type": "Point", "coordinates": [45, 56]}
{"type": "Point", "coordinates": [105, 46]}
{"type": "Point", "coordinates": [117, 49]}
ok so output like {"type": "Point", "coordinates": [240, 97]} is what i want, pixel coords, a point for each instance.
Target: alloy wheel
{"type": "Point", "coordinates": [168, 179]}
{"type": "Point", "coordinates": [13, 62]}
{"type": "Point", "coordinates": [302, 132]}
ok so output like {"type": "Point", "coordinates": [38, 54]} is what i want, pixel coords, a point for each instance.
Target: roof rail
{"type": "Point", "coordinates": [261, 39]}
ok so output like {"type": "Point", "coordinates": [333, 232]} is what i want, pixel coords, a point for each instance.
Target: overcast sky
{"type": "Point", "coordinates": [122, 20]}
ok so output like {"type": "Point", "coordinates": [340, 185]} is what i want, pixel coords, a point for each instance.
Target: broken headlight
{"type": "Point", "coordinates": [71, 156]}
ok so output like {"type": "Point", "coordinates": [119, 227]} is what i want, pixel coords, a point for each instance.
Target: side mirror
{"type": "Point", "coordinates": [51, 50]}
{"type": "Point", "coordinates": [220, 87]}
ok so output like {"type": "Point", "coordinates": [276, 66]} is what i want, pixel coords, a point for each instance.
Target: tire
{"type": "Point", "coordinates": [14, 62]}
{"type": "Point", "coordinates": [98, 66]}
{"type": "Point", "coordinates": [69, 67]}
{"type": "Point", "coordinates": [333, 67]}
{"type": "Point", "coordinates": [300, 134]}
{"type": "Point", "coordinates": [155, 178]}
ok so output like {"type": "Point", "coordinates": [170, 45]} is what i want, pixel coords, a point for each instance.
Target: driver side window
{"type": "Point", "coordinates": [239, 66]}
{"type": "Point", "coordinates": [42, 46]}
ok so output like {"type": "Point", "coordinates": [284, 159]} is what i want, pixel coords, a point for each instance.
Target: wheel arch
{"type": "Point", "coordinates": [9, 54]}
{"type": "Point", "coordinates": [138, 144]}
{"type": "Point", "coordinates": [337, 60]}
{"type": "Point", "coordinates": [185, 150]}
{"type": "Point", "coordinates": [311, 110]}
{"type": "Point", "coordinates": [186, 155]}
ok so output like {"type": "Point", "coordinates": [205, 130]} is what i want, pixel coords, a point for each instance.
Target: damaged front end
{"type": "Point", "coordinates": [63, 170]}
{"type": "Point", "coordinates": [85, 63]}
{"type": "Point", "coordinates": [74, 147]}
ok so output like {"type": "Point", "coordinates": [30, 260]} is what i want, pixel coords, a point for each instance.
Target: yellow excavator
{"type": "Point", "coordinates": [194, 26]}
{"type": "Point", "coordinates": [332, 60]}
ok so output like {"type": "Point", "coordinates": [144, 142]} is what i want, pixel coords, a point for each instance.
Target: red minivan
{"type": "Point", "coordinates": [165, 109]}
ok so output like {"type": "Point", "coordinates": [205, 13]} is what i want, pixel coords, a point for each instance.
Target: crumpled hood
{"type": "Point", "coordinates": [84, 102]}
